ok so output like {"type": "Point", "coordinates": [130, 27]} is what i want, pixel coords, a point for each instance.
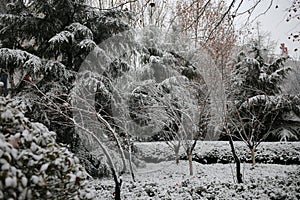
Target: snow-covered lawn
{"type": "Point", "coordinates": [158, 177]}
{"type": "Point", "coordinates": [166, 180]}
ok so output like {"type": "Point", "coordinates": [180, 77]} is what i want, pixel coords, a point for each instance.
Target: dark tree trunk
{"type": "Point", "coordinates": [237, 161]}
{"type": "Point", "coordinates": [130, 159]}
{"type": "Point", "coordinates": [190, 158]}
{"type": "Point", "coordinates": [177, 155]}
{"type": "Point", "coordinates": [118, 184]}
{"type": "Point", "coordinates": [252, 149]}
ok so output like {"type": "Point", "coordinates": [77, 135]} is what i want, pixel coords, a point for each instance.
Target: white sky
{"type": "Point", "coordinates": [274, 21]}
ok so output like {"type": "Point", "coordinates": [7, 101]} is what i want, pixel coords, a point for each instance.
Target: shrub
{"type": "Point", "coordinates": [33, 165]}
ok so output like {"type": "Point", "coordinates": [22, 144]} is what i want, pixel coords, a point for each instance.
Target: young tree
{"type": "Point", "coordinates": [92, 124]}
{"type": "Point", "coordinates": [256, 102]}
{"type": "Point", "coordinates": [88, 122]}
{"type": "Point", "coordinates": [174, 111]}
{"type": "Point", "coordinates": [228, 131]}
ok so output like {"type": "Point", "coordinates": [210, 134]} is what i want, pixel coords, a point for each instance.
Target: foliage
{"type": "Point", "coordinates": [256, 102]}
{"type": "Point", "coordinates": [292, 83]}
{"type": "Point", "coordinates": [252, 76]}
{"type": "Point", "coordinates": [47, 49]}
{"type": "Point", "coordinates": [33, 165]}
{"type": "Point", "coordinates": [43, 44]}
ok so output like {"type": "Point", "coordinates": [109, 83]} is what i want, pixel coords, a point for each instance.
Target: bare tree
{"type": "Point", "coordinates": [190, 136]}
{"type": "Point", "coordinates": [188, 108]}
{"type": "Point", "coordinates": [236, 158]}
{"type": "Point", "coordinates": [89, 122]}
{"type": "Point", "coordinates": [256, 103]}
{"type": "Point", "coordinates": [250, 120]}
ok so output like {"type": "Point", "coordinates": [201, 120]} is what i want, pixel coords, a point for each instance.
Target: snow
{"type": "Point", "coordinates": [5, 167]}
{"type": "Point", "coordinates": [80, 30]}
{"type": "Point", "coordinates": [10, 182]}
{"type": "Point", "coordinates": [6, 115]}
{"type": "Point", "coordinates": [35, 179]}
{"type": "Point", "coordinates": [34, 63]}
{"type": "Point", "coordinates": [62, 37]}
{"type": "Point", "coordinates": [87, 44]}
{"type": "Point", "coordinates": [158, 177]}
{"type": "Point", "coordinates": [44, 167]}
{"type": "Point", "coordinates": [219, 151]}
{"type": "Point", "coordinates": [166, 180]}
{"type": "Point", "coordinates": [24, 181]}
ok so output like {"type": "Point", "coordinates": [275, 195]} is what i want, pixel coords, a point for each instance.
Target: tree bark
{"type": "Point", "coordinates": [237, 161]}
{"type": "Point", "coordinates": [130, 160]}
{"type": "Point", "coordinates": [118, 184]}
{"type": "Point", "coordinates": [190, 163]}
{"type": "Point", "coordinates": [253, 155]}
{"type": "Point", "coordinates": [177, 155]}
{"type": "Point", "coordinates": [176, 158]}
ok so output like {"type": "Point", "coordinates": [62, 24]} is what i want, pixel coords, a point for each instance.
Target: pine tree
{"type": "Point", "coordinates": [43, 43]}
{"type": "Point", "coordinates": [42, 46]}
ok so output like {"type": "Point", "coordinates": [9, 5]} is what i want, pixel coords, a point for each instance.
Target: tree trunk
{"type": "Point", "coordinates": [253, 155]}
{"type": "Point", "coordinates": [130, 160]}
{"type": "Point", "coordinates": [176, 158]}
{"type": "Point", "coordinates": [118, 184]}
{"type": "Point", "coordinates": [177, 155]}
{"type": "Point", "coordinates": [11, 81]}
{"type": "Point", "coordinates": [100, 4]}
{"type": "Point", "coordinates": [190, 163]}
{"type": "Point", "coordinates": [237, 161]}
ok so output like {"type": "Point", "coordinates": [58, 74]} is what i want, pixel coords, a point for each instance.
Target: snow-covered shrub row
{"type": "Point", "coordinates": [208, 152]}
{"type": "Point", "coordinates": [268, 152]}
{"type": "Point", "coordinates": [33, 165]}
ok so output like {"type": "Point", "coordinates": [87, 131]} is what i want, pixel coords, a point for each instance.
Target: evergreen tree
{"type": "Point", "coordinates": [42, 46]}
{"type": "Point", "coordinates": [43, 43]}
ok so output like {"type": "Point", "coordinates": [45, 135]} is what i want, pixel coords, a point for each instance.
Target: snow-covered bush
{"type": "Point", "coordinates": [211, 152]}
{"type": "Point", "coordinates": [33, 165]}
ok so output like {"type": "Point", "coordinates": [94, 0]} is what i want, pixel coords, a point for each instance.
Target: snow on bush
{"type": "Point", "coordinates": [208, 152]}
{"type": "Point", "coordinates": [33, 165]}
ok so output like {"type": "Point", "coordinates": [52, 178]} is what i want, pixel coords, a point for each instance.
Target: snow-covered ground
{"type": "Point", "coordinates": [166, 180]}
{"type": "Point", "coordinates": [158, 177]}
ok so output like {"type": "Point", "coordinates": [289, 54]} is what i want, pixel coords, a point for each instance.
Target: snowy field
{"type": "Point", "coordinates": [166, 180]}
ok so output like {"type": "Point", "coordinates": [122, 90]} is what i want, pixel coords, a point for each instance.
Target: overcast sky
{"type": "Point", "coordinates": [274, 21]}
